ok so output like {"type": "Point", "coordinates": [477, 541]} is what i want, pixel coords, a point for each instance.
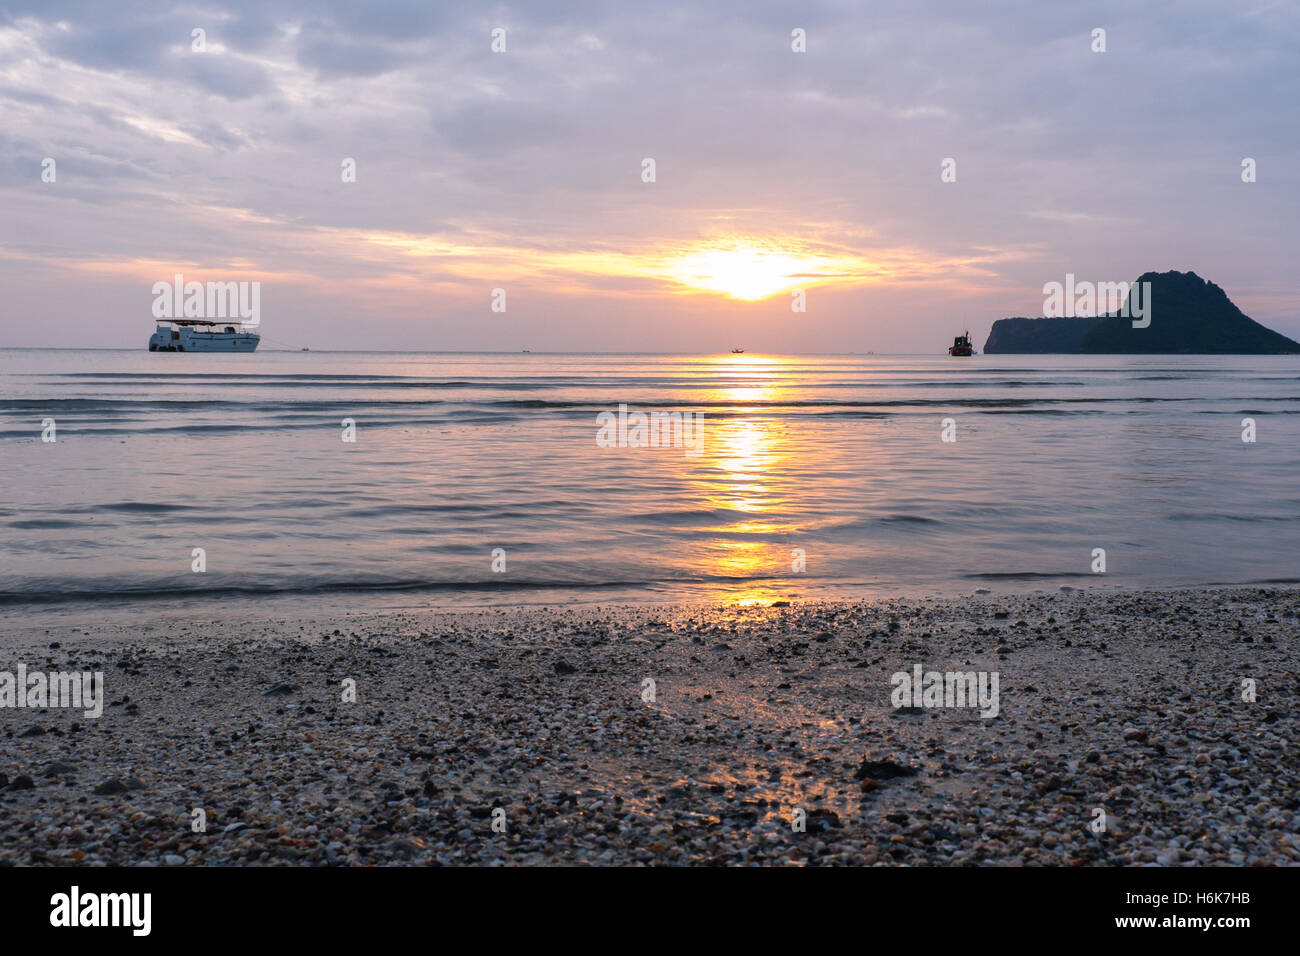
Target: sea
{"type": "Point", "coordinates": [279, 481]}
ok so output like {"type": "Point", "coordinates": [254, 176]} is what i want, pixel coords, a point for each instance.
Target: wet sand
{"type": "Point", "coordinates": [1125, 703]}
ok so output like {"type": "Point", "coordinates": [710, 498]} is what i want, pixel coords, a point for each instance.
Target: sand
{"type": "Point", "coordinates": [531, 736]}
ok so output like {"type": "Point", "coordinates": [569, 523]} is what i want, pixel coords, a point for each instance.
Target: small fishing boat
{"type": "Point", "coordinates": [737, 351]}
{"type": "Point", "coordinates": [961, 345]}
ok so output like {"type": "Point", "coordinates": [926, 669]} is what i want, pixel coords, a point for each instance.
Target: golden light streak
{"type": "Point", "coordinates": [749, 271]}
{"type": "Point", "coordinates": [743, 269]}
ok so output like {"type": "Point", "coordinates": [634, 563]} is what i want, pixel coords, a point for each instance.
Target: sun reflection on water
{"type": "Point", "coordinates": [743, 478]}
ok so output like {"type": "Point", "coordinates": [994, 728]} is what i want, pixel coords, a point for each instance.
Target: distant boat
{"type": "Point", "coordinates": [196, 335]}
{"type": "Point", "coordinates": [961, 345]}
{"type": "Point", "coordinates": [737, 351]}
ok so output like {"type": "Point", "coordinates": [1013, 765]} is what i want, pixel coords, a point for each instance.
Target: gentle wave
{"type": "Point", "coordinates": [583, 404]}
{"type": "Point", "coordinates": [1025, 575]}
{"type": "Point", "coordinates": [833, 461]}
{"type": "Point", "coordinates": [117, 591]}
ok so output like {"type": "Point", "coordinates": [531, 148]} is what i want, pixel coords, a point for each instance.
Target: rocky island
{"type": "Point", "coordinates": [1191, 316]}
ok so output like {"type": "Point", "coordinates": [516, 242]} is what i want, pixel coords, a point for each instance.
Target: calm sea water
{"type": "Point", "coordinates": [457, 455]}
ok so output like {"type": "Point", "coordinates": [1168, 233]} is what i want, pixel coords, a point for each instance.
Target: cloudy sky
{"type": "Point", "coordinates": [523, 169]}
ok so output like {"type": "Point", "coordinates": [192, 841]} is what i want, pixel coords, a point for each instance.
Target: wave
{"type": "Point", "coordinates": [1199, 516]}
{"type": "Point", "coordinates": [121, 407]}
{"type": "Point", "coordinates": [37, 594]}
{"type": "Point", "coordinates": [1025, 575]}
{"type": "Point", "coordinates": [44, 592]}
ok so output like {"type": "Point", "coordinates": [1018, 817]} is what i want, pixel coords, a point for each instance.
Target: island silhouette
{"type": "Point", "coordinates": [1189, 315]}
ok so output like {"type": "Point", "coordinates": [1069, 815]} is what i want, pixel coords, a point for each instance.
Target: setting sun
{"type": "Point", "coordinates": [750, 272]}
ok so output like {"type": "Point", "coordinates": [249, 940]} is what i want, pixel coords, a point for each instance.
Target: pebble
{"type": "Point", "coordinates": [539, 712]}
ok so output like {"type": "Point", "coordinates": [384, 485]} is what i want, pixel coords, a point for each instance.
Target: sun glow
{"type": "Point", "coordinates": [749, 272]}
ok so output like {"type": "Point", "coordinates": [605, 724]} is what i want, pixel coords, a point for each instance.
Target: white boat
{"type": "Point", "coordinates": [196, 335]}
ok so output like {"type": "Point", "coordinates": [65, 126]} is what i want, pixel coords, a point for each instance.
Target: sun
{"type": "Point", "coordinates": [745, 271]}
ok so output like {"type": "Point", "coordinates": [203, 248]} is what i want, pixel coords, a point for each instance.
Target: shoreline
{"type": "Point", "coordinates": [1124, 701]}
{"type": "Point", "coordinates": [122, 615]}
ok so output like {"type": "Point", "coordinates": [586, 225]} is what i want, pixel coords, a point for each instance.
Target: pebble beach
{"type": "Point", "coordinates": [670, 735]}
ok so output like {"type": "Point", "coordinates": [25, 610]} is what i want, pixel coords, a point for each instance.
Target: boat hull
{"type": "Point", "coordinates": [961, 345]}
{"type": "Point", "coordinates": [190, 340]}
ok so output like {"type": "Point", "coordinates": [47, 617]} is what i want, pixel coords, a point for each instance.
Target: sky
{"type": "Point", "coordinates": [523, 169]}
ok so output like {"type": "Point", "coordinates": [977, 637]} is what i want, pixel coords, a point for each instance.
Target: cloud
{"type": "Point", "coordinates": [1099, 164]}
{"type": "Point", "coordinates": [333, 54]}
